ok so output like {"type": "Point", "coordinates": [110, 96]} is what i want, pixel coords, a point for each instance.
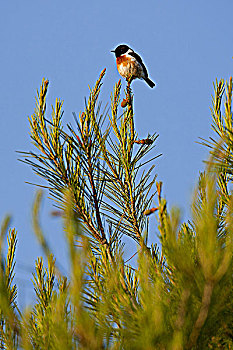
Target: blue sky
{"type": "Point", "coordinates": [185, 45]}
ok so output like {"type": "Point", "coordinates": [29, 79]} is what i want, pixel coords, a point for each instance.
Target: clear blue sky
{"type": "Point", "coordinates": [185, 45]}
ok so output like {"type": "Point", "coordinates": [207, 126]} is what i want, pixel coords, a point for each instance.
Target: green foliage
{"type": "Point", "coordinates": [176, 297]}
{"type": "Point", "coordinates": [8, 291]}
{"type": "Point", "coordinates": [109, 183]}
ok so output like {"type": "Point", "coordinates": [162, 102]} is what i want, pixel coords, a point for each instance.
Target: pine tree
{"type": "Point", "coordinates": [179, 294]}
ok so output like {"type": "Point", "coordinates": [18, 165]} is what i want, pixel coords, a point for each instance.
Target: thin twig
{"type": "Point", "coordinates": [205, 304]}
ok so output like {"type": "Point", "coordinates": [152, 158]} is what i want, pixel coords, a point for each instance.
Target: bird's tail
{"type": "Point", "coordinates": [149, 82]}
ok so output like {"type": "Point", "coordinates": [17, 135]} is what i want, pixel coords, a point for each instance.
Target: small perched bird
{"type": "Point", "coordinates": [129, 64]}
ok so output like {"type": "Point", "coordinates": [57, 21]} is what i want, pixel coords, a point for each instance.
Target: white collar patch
{"type": "Point", "coordinates": [127, 54]}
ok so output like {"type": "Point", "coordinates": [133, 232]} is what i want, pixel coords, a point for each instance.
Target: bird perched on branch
{"type": "Point", "coordinates": [130, 65]}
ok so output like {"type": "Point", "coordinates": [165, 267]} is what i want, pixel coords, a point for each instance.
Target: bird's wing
{"type": "Point", "coordinates": [138, 58]}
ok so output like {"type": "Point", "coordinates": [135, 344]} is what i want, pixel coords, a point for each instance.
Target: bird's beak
{"type": "Point", "coordinates": [112, 50]}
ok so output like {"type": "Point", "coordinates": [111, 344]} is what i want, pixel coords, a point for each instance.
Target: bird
{"type": "Point", "coordinates": [129, 64]}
